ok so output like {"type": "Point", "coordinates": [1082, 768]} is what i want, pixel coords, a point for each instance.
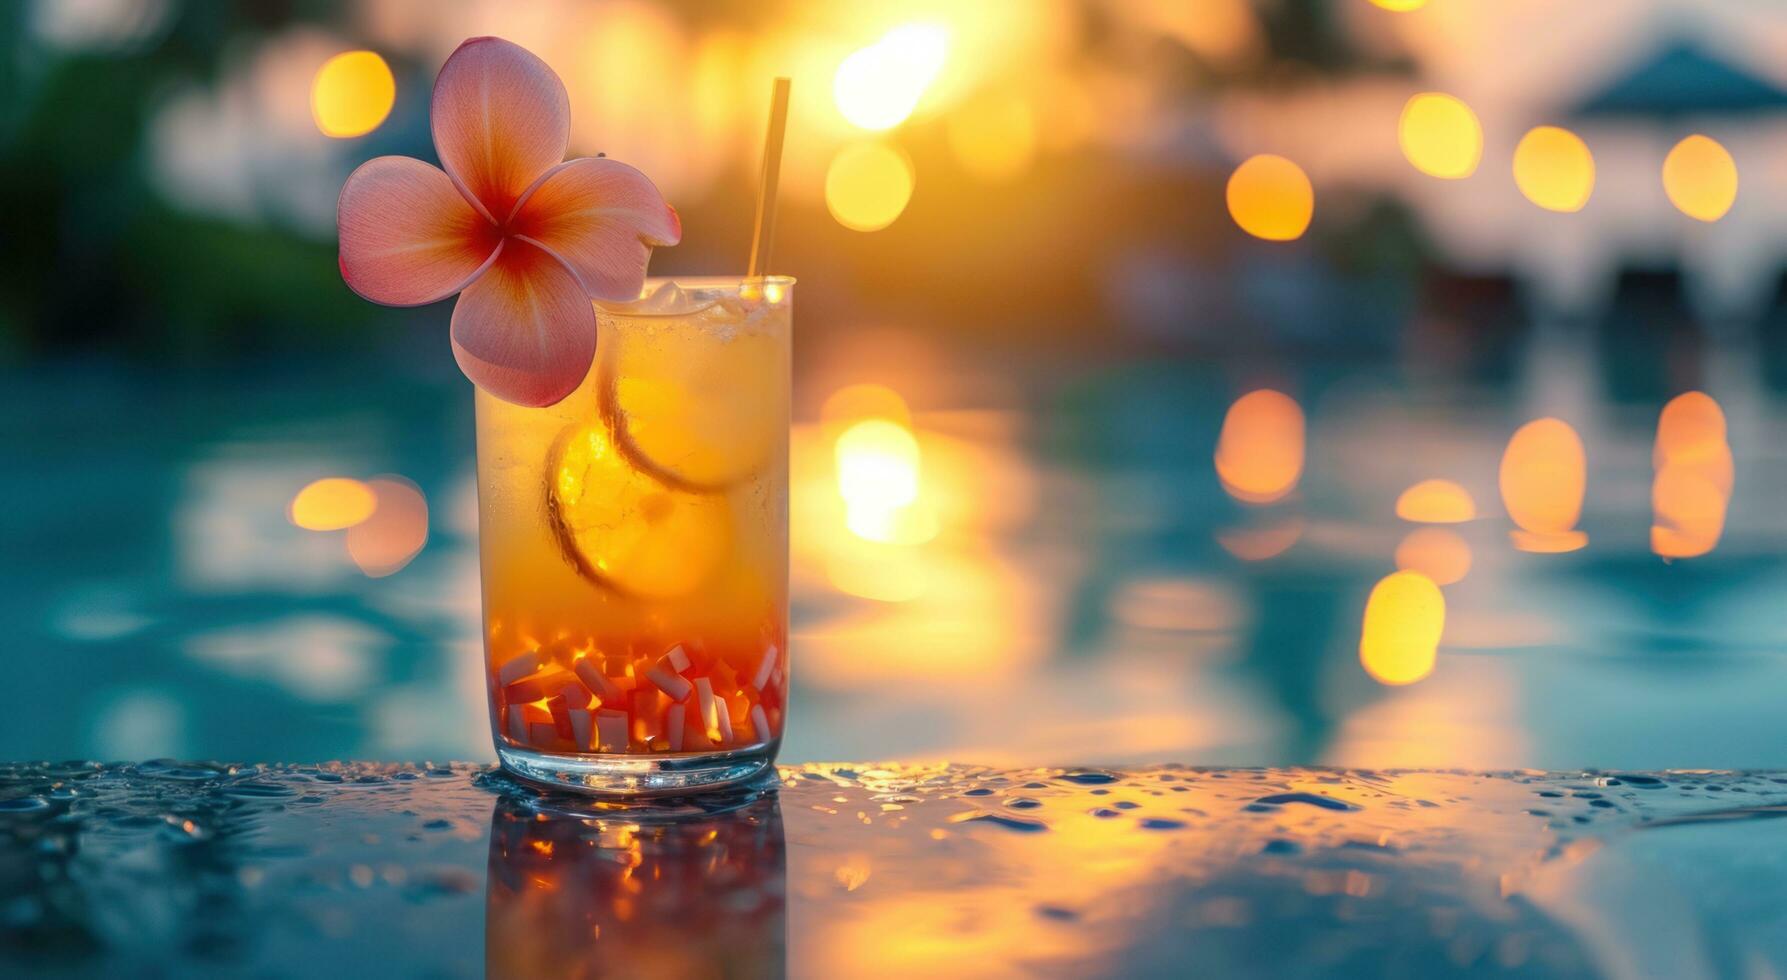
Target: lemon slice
{"type": "Point", "coordinates": [700, 405]}
{"type": "Point", "coordinates": [626, 530]}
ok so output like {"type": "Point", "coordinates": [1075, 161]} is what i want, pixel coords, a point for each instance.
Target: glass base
{"type": "Point", "coordinates": [638, 775]}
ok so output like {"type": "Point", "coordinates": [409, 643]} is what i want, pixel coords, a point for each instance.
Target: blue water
{"type": "Point", "coordinates": [1078, 605]}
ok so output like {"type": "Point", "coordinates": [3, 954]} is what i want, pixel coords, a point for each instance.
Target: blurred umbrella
{"type": "Point", "coordinates": [1681, 79]}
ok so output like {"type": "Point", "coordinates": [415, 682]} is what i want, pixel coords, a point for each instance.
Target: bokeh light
{"type": "Point", "coordinates": [878, 472]}
{"type": "Point", "coordinates": [1554, 169]}
{"type": "Point", "coordinates": [868, 185]}
{"type": "Point", "coordinates": [1259, 454]}
{"type": "Point", "coordinates": [858, 402]}
{"type": "Point", "coordinates": [1544, 474]}
{"type": "Point", "coordinates": [1400, 6]}
{"type": "Point", "coordinates": [1700, 178]}
{"type": "Point", "coordinates": [395, 533]}
{"type": "Point", "coordinates": [1404, 617]}
{"type": "Point", "coordinates": [878, 86]}
{"type": "Point", "coordinates": [993, 137]}
{"type": "Point", "coordinates": [1441, 136]}
{"type": "Point", "coordinates": [1435, 552]}
{"type": "Point", "coordinates": [1436, 502]}
{"type": "Point", "coordinates": [1271, 198]}
{"type": "Point", "coordinates": [331, 504]}
{"type": "Point", "coordinates": [1694, 475]}
{"type": "Point", "coordinates": [352, 94]}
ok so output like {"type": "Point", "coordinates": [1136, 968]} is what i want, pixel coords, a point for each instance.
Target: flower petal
{"type": "Point", "coordinates": [501, 117]}
{"type": "Point", "coordinates": [407, 236]}
{"type": "Point", "coordinates": [602, 218]}
{"type": "Point", "coordinates": [524, 331]}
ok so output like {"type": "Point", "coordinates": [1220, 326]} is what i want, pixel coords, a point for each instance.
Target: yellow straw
{"type": "Point", "coordinates": [763, 237]}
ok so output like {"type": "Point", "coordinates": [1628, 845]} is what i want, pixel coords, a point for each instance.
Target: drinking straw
{"type": "Point", "coordinates": [763, 237]}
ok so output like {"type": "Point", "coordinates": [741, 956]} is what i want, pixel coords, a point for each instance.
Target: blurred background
{"type": "Point", "coordinates": [1376, 382]}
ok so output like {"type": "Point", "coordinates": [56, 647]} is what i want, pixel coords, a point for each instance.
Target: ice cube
{"type": "Point", "coordinates": [667, 298]}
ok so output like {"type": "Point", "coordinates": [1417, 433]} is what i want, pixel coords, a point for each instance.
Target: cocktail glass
{"type": "Point", "coordinates": [633, 543]}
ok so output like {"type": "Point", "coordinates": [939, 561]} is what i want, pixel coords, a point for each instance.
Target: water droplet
{"type": "Point", "coordinates": [1009, 823]}
{"type": "Point", "coordinates": [255, 790]}
{"type": "Point", "coordinates": [1311, 799]}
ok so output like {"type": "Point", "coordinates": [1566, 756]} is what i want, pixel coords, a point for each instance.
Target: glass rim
{"type": "Point", "coordinates": [727, 283]}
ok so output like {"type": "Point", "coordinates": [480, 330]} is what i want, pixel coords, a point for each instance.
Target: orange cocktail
{"type": "Point", "coordinates": [634, 546]}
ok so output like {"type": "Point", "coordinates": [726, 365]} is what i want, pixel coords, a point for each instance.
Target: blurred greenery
{"type": "Point", "coordinates": [98, 260]}
{"type": "Point", "coordinates": [95, 258]}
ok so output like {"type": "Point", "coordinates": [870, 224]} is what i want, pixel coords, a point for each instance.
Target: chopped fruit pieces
{"type": "Point", "coordinates": [517, 668]}
{"type": "Point", "coordinates": [709, 708]}
{"type": "Point", "coordinates": [669, 682]}
{"type": "Point", "coordinates": [580, 727]}
{"type": "Point", "coordinates": [598, 682]}
{"type": "Point", "coordinates": [612, 727]}
{"type": "Point", "coordinates": [766, 669]}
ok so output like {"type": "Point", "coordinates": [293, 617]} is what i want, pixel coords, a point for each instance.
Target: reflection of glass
{"type": "Point", "coordinates": [664, 892]}
{"type": "Point", "coordinates": [634, 545]}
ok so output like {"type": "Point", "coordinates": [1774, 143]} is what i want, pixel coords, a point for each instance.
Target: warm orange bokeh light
{"type": "Point", "coordinates": [878, 473]}
{"type": "Point", "coordinates": [332, 504]}
{"type": "Point", "coordinates": [352, 94]}
{"type": "Point", "coordinates": [878, 86]}
{"type": "Point", "coordinates": [1404, 618]}
{"type": "Point", "coordinates": [1271, 198]}
{"type": "Point", "coordinates": [1436, 502]}
{"type": "Point", "coordinates": [1554, 169]}
{"type": "Point", "coordinates": [1259, 454]}
{"type": "Point", "coordinates": [1691, 429]}
{"type": "Point", "coordinates": [1400, 6]}
{"type": "Point", "coordinates": [868, 186]}
{"type": "Point", "coordinates": [1435, 552]}
{"type": "Point", "coordinates": [385, 542]}
{"type": "Point", "coordinates": [1700, 178]}
{"type": "Point", "coordinates": [1543, 476]}
{"type": "Point", "coordinates": [1440, 136]}
{"type": "Point", "coordinates": [1695, 471]}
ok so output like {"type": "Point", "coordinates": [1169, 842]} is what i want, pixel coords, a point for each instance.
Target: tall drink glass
{"type": "Point", "coordinates": [633, 542]}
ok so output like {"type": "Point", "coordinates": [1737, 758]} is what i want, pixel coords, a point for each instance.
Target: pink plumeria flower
{"type": "Point", "coordinates": [527, 237]}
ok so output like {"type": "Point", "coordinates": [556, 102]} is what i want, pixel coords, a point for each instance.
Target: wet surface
{"type": "Point", "coordinates": [836, 870]}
